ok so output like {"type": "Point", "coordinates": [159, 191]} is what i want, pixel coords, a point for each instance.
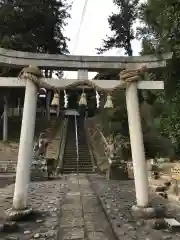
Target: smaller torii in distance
{"type": "Point", "coordinates": [31, 80]}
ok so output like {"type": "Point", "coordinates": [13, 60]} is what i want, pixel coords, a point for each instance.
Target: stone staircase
{"type": "Point", "coordinates": [9, 150]}
{"type": "Point", "coordinates": [8, 157]}
{"type": "Point", "coordinates": [70, 155]}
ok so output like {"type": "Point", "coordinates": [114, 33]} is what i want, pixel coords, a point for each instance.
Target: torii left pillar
{"type": "Point", "coordinates": [20, 199]}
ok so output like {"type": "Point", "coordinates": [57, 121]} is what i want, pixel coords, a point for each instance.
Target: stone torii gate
{"type": "Point", "coordinates": [30, 80]}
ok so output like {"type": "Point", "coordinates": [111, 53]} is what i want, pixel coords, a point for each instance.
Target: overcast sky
{"type": "Point", "coordinates": [94, 29]}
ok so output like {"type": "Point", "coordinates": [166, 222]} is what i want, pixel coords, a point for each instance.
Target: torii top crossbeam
{"type": "Point", "coordinates": [72, 62]}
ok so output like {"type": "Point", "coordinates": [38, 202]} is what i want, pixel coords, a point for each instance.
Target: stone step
{"type": "Point", "coordinates": [72, 161]}
{"type": "Point", "coordinates": [74, 155]}
{"type": "Point", "coordinates": [71, 151]}
{"type": "Point", "coordinates": [75, 161]}
{"type": "Point", "coordinates": [69, 156]}
{"type": "Point", "coordinates": [69, 148]}
{"type": "Point", "coordinates": [80, 152]}
{"type": "Point", "coordinates": [84, 151]}
{"type": "Point", "coordinates": [8, 161]}
{"type": "Point", "coordinates": [8, 166]}
{"type": "Point", "coordinates": [75, 165]}
{"type": "Point", "coordinates": [75, 170]}
{"type": "Point", "coordinates": [84, 157]}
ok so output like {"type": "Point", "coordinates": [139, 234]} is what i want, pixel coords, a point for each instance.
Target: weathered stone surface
{"type": "Point", "coordinates": [118, 197]}
{"type": "Point", "coordinates": [97, 236]}
{"type": "Point", "coordinates": [72, 63]}
{"type": "Point", "coordinates": [14, 215]}
{"type": "Point", "coordinates": [72, 222]}
{"type": "Point", "coordinates": [70, 209]}
{"type": "Point", "coordinates": [83, 213]}
{"type": "Point", "coordinates": [71, 233]}
{"type": "Point", "coordinates": [143, 213]}
{"type": "Point", "coordinates": [9, 227]}
{"type": "Point", "coordinates": [44, 199]}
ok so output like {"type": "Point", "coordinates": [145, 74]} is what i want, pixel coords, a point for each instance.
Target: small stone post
{"type": "Point", "coordinates": [19, 107]}
{"type": "Point", "coordinates": [48, 103]}
{"type": "Point", "coordinates": [20, 199]}
{"type": "Point", "coordinates": [5, 119]}
{"type": "Point", "coordinates": [58, 107]}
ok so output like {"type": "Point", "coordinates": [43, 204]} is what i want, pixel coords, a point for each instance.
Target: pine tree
{"type": "Point", "coordinates": [121, 25]}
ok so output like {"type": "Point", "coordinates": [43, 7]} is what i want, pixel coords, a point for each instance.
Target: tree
{"type": "Point", "coordinates": [114, 121]}
{"type": "Point", "coordinates": [161, 33]}
{"type": "Point", "coordinates": [34, 25]}
{"type": "Point", "coordinates": [121, 25]}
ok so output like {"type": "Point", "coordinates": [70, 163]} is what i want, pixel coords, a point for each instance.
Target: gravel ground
{"type": "Point", "coordinates": [4, 181]}
{"type": "Point", "coordinates": [117, 198]}
{"type": "Point", "coordinates": [46, 198]}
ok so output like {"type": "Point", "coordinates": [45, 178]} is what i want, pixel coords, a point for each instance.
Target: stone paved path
{"type": "Point", "coordinates": [81, 215]}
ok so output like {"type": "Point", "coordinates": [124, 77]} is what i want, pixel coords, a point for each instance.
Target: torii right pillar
{"type": "Point", "coordinates": [137, 145]}
{"type": "Point", "coordinates": [143, 208]}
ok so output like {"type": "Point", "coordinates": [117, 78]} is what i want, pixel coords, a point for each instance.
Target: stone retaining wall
{"type": "Point", "coordinates": [9, 151]}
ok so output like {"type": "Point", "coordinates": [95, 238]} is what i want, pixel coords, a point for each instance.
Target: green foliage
{"type": "Point", "coordinates": [113, 121]}
{"type": "Point", "coordinates": [121, 25]}
{"type": "Point", "coordinates": [161, 33]}
{"type": "Point", "coordinates": [34, 25]}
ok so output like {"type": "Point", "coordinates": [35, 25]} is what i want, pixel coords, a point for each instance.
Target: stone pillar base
{"type": "Point", "coordinates": [147, 212]}
{"type": "Point", "coordinates": [17, 215]}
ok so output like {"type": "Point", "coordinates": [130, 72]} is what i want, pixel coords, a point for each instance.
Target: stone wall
{"type": "Point", "coordinates": [9, 150]}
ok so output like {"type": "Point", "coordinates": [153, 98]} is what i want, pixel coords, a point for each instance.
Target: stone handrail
{"type": "Point", "coordinates": [53, 146]}
{"type": "Point", "coordinates": [62, 145]}
{"type": "Point", "coordinates": [90, 148]}
{"type": "Point", "coordinates": [102, 136]}
{"type": "Point", "coordinates": [102, 162]}
{"type": "Point", "coordinates": [105, 144]}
